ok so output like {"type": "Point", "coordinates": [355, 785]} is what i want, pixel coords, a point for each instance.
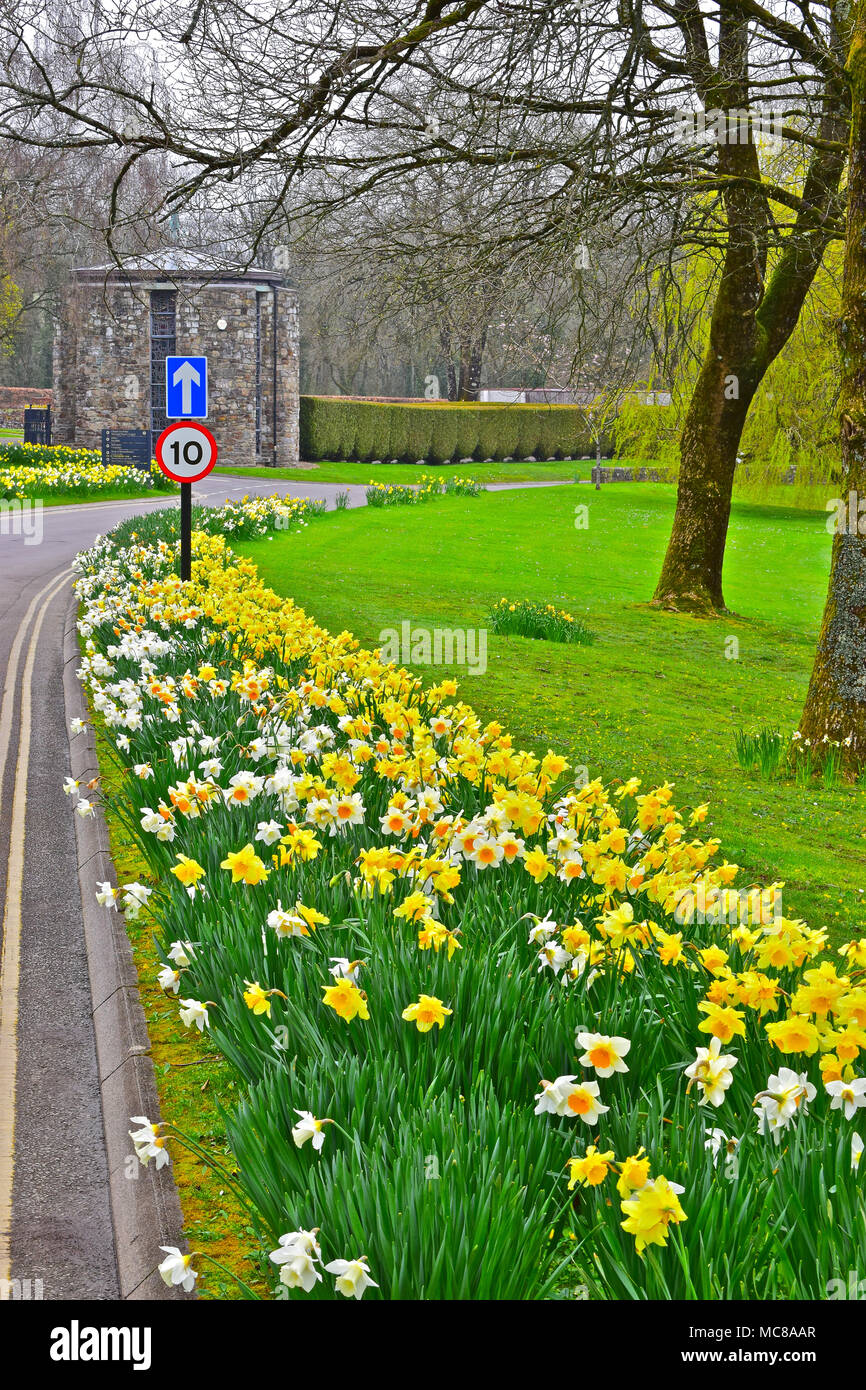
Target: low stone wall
{"type": "Point", "coordinates": [14, 400]}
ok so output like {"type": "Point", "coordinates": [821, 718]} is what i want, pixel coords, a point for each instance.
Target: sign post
{"type": "Point", "coordinates": [186, 454]}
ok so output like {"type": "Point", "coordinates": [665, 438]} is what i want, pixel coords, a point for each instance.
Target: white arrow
{"type": "Point", "coordinates": [186, 374]}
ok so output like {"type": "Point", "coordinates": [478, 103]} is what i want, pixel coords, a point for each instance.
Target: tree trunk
{"type": "Point", "coordinates": [836, 701]}
{"type": "Point", "coordinates": [752, 320]}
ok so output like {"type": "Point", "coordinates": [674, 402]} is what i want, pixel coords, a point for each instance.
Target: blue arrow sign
{"type": "Point", "coordinates": [186, 388]}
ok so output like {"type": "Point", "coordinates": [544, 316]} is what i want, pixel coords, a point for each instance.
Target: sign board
{"type": "Point", "coordinates": [186, 388]}
{"type": "Point", "coordinates": [186, 453]}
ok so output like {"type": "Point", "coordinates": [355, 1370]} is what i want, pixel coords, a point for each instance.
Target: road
{"type": "Point", "coordinates": [56, 1236]}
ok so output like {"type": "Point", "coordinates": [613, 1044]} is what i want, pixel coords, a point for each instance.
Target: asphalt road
{"type": "Point", "coordinates": [56, 1236]}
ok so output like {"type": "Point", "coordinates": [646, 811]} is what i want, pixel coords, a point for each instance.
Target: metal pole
{"type": "Point", "coordinates": [275, 374]}
{"type": "Point", "coordinates": [185, 530]}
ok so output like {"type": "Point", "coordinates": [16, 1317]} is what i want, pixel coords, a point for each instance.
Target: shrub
{"type": "Point", "coordinates": [338, 427]}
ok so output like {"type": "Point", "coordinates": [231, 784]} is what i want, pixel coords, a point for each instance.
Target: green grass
{"type": "Point", "coordinates": [655, 696]}
{"type": "Point", "coordinates": [10, 434]}
{"type": "Point", "coordinates": [364, 473]}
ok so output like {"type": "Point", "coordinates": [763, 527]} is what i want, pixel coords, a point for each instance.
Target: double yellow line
{"type": "Point", "coordinates": [10, 963]}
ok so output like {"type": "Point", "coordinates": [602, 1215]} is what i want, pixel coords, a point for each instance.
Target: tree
{"type": "Point", "coordinates": [836, 702]}
{"type": "Point", "coordinates": [580, 110]}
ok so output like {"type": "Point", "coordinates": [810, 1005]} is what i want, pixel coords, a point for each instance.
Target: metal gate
{"type": "Point", "coordinates": [37, 425]}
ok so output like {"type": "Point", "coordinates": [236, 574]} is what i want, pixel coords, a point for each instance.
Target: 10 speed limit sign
{"type": "Point", "coordinates": [186, 453]}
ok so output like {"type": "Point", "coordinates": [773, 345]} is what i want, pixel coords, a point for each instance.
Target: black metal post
{"type": "Point", "coordinates": [185, 530]}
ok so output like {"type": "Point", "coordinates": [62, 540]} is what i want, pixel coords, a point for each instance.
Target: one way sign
{"type": "Point", "coordinates": [186, 388]}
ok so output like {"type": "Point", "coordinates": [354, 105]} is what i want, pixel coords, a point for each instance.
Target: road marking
{"type": "Point", "coordinates": [11, 958]}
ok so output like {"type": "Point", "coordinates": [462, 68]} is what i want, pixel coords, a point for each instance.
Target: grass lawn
{"type": "Point", "coordinates": [655, 696]}
{"type": "Point", "coordinates": [364, 473]}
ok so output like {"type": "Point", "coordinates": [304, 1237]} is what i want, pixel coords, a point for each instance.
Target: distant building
{"type": "Point", "coordinates": [118, 326]}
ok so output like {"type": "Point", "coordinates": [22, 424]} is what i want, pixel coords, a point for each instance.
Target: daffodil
{"type": "Point", "coordinates": [309, 1128]}
{"type": "Point", "coordinates": [651, 1211]}
{"type": "Point", "coordinates": [848, 1096]}
{"type": "Point", "coordinates": [177, 1269]}
{"type": "Point", "coordinates": [712, 1070]}
{"type": "Point", "coordinates": [591, 1170]}
{"type": "Point", "coordinates": [604, 1054]}
{"type": "Point", "coordinates": [245, 865]}
{"type": "Point", "coordinates": [352, 1277]}
{"type": "Point", "coordinates": [428, 1012]}
{"type": "Point", "coordinates": [346, 999]}
{"type": "Point", "coordinates": [567, 1096]}
{"type": "Point", "coordinates": [187, 871]}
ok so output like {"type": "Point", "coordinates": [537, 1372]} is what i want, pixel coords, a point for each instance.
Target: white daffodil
{"type": "Point", "coordinates": [85, 808]}
{"type": "Point", "coordinates": [344, 969]}
{"type": "Point", "coordinates": [717, 1140]}
{"type": "Point", "coordinates": [194, 1013]}
{"type": "Point", "coordinates": [70, 786]}
{"type": "Point", "coordinates": [168, 979]}
{"type": "Point", "coordinates": [553, 957]}
{"type": "Point", "coordinates": [147, 1141]}
{"type": "Point", "coordinates": [604, 1054]}
{"type": "Point", "coordinates": [541, 931]}
{"type": "Point", "coordinates": [712, 1072]}
{"type": "Point", "coordinates": [568, 1096]}
{"type": "Point", "coordinates": [181, 952]}
{"type": "Point", "coordinates": [856, 1150]}
{"type": "Point", "coordinates": [77, 726]}
{"type": "Point", "coordinates": [106, 896]}
{"type": "Point", "coordinates": [786, 1092]}
{"type": "Point", "coordinates": [269, 831]}
{"type": "Point", "coordinates": [177, 1269]}
{"type": "Point", "coordinates": [848, 1096]}
{"type": "Point", "coordinates": [309, 1128]}
{"type": "Point", "coordinates": [299, 1273]}
{"type": "Point", "coordinates": [210, 768]}
{"type": "Point", "coordinates": [142, 771]}
{"type": "Point", "coordinates": [295, 1243]}
{"type": "Point", "coordinates": [353, 1277]}
{"type": "Point", "coordinates": [286, 923]}
{"type": "Point", "coordinates": [135, 897]}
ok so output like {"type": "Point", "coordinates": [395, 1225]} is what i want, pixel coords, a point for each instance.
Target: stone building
{"type": "Point", "coordinates": [117, 327]}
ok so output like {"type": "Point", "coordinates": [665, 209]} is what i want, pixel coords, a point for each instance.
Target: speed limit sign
{"type": "Point", "coordinates": [186, 453]}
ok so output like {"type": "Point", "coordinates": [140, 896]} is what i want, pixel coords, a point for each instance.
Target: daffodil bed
{"type": "Point", "coordinates": [35, 470]}
{"type": "Point", "coordinates": [496, 1035]}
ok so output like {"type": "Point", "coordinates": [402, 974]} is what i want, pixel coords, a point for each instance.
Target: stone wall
{"type": "Point", "coordinates": [14, 400]}
{"type": "Point", "coordinates": [102, 361]}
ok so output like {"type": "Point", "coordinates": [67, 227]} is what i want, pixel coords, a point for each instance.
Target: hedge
{"type": "Point", "coordinates": [342, 428]}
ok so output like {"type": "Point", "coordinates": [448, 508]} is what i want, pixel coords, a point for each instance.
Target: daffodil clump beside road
{"type": "Point", "coordinates": [56, 473]}
{"type": "Point", "coordinates": [495, 1035]}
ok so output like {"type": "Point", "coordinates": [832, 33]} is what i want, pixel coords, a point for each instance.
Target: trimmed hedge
{"type": "Point", "coordinates": [342, 428]}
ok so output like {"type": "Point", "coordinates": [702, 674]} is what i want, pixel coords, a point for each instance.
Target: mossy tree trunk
{"type": "Point", "coordinates": [836, 702]}
{"type": "Point", "coordinates": [752, 318]}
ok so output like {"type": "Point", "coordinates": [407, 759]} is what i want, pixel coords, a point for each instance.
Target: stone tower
{"type": "Point", "coordinates": [118, 326]}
